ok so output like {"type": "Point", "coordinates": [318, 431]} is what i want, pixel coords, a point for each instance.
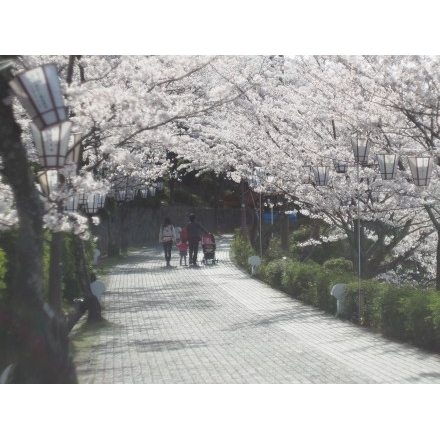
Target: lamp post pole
{"type": "Point", "coordinates": [244, 231]}
{"type": "Point", "coordinates": [261, 230]}
{"type": "Point", "coordinates": [359, 242]}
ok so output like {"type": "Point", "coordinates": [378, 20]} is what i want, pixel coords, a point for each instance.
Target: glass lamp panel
{"type": "Point", "coordinates": [321, 175]}
{"type": "Point", "coordinates": [94, 203]}
{"type": "Point", "coordinates": [82, 199]}
{"type": "Point", "coordinates": [130, 195]}
{"type": "Point", "coordinates": [341, 166]}
{"type": "Point", "coordinates": [49, 181]}
{"type": "Point", "coordinates": [361, 149]}
{"type": "Point", "coordinates": [74, 153]}
{"type": "Point", "coordinates": [144, 193]}
{"type": "Point", "coordinates": [52, 144]}
{"type": "Point", "coordinates": [120, 195]}
{"type": "Point", "coordinates": [100, 201]}
{"type": "Point", "coordinates": [72, 203]}
{"type": "Point", "coordinates": [387, 165]}
{"type": "Point", "coordinates": [91, 206]}
{"type": "Point", "coordinates": [421, 169]}
{"type": "Point", "coordinates": [39, 91]}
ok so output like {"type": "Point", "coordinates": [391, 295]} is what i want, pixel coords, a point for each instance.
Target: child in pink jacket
{"type": "Point", "coordinates": [183, 249]}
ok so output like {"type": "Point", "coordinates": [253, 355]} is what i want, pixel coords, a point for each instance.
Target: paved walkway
{"type": "Point", "coordinates": [215, 324]}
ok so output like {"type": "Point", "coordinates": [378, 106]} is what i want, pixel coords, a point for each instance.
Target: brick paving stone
{"type": "Point", "coordinates": [216, 324]}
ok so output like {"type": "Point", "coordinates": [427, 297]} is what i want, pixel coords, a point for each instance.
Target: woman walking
{"type": "Point", "coordinates": [167, 236]}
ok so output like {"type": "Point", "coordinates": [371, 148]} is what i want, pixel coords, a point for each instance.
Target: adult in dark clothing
{"type": "Point", "coordinates": [195, 230]}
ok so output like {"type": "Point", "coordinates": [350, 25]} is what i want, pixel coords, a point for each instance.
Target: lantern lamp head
{"type": "Point", "coordinates": [387, 165]}
{"type": "Point", "coordinates": [421, 169]}
{"type": "Point", "coordinates": [39, 91]}
{"type": "Point", "coordinates": [361, 149]}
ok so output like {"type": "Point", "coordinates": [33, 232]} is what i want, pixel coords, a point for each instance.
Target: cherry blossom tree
{"type": "Point", "coordinates": [306, 114]}
{"type": "Point", "coordinates": [127, 109]}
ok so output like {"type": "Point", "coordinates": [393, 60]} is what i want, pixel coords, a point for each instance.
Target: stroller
{"type": "Point", "coordinates": [208, 248]}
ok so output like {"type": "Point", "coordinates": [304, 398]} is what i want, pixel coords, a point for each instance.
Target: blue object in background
{"type": "Point", "coordinates": [267, 217]}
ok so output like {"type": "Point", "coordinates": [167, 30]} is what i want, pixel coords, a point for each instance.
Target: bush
{"type": "Point", "coordinates": [377, 300]}
{"type": "Point", "coordinates": [339, 265]}
{"type": "Point", "coordinates": [242, 250]}
{"type": "Point", "coordinates": [418, 323]}
{"type": "Point", "coordinates": [273, 251]}
{"type": "Point", "coordinates": [272, 273]}
{"type": "Point", "coordinates": [299, 280]}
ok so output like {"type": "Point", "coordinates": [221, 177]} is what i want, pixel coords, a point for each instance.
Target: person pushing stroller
{"type": "Point", "coordinates": [195, 230]}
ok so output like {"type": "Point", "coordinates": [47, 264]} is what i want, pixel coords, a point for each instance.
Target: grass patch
{"type": "Point", "coordinates": [83, 339]}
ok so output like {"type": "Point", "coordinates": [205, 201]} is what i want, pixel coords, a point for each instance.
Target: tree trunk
{"type": "Point", "coordinates": [437, 276]}
{"type": "Point", "coordinates": [284, 224]}
{"type": "Point", "coordinates": [436, 224]}
{"type": "Point", "coordinates": [91, 303]}
{"type": "Point", "coordinates": [42, 350]}
{"type": "Point", "coordinates": [124, 231]}
{"type": "Point", "coordinates": [243, 228]}
{"type": "Point", "coordinates": [56, 273]}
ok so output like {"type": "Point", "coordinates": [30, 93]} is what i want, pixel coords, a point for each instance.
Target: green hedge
{"type": "Point", "coordinates": [71, 287]}
{"type": "Point", "coordinates": [404, 313]}
{"type": "Point", "coordinates": [242, 250]}
{"type": "Point", "coordinates": [307, 282]}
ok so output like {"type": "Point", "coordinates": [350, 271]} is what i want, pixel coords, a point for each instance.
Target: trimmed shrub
{"type": "Point", "coordinates": [416, 309]}
{"type": "Point", "coordinates": [242, 250]}
{"type": "Point", "coordinates": [272, 273]}
{"type": "Point", "coordinates": [273, 252]}
{"type": "Point", "coordinates": [299, 280]}
{"type": "Point", "coordinates": [339, 265]}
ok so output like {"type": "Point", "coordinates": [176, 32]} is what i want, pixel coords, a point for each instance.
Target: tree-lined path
{"type": "Point", "coordinates": [216, 324]}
